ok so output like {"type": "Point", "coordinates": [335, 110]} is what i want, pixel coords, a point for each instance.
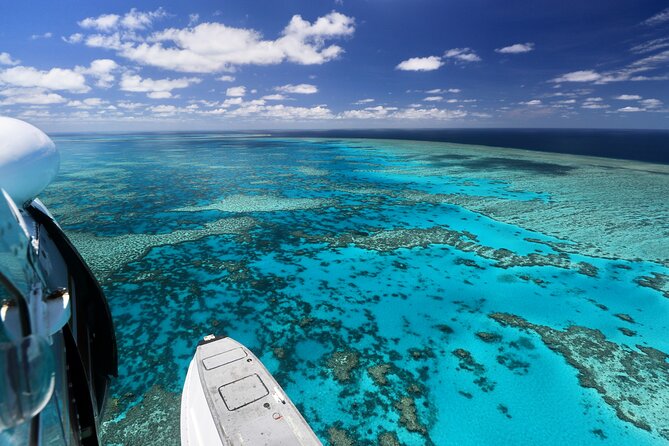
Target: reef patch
{"type": "Point", "coordinates": [634, 382]}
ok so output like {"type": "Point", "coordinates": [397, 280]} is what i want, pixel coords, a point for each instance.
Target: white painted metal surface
{"type": "Point", "coordinates": [29, 160]}
{"type": "Point", "coordinates": [197, 424]}
{"type": "Point", "coordinates": [229, 398]}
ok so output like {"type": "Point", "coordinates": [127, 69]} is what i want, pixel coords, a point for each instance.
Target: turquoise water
{"type": "Point", "coordinates": [401, 293]}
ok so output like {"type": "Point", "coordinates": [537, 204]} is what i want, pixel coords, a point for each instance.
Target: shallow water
{"type": "Point", "coordinates": [411, 292]}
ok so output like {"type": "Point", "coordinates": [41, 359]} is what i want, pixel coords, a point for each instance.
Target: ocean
{"type": "Point", "coordinates": [400, 291]}
{"type": "Point", "coordinates": [632, 144]}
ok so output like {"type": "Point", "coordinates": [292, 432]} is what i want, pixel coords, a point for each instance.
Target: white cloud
{"type": "Point", "coordinates": [649, 78]}
{"type": "Point", "coordinates": [73, 38]}
{"type": "Point", "coordinates": [130, 105]}
{"type": "Point", "coordinates": [378, 112]}
{"type": "Point", "coordinates": [516, 48]}
{"type": "Point", "coordinates": [54, 79]}
{"type": "Point", "coordinates": [103, 22]}
{"type": "Point", "coordinates": [232, 101]}
{"type": "Point", "coordinates": [429, 63]}
{"type": "Point", "coordinates": [274, 97]}
{"type": "Point", "coordinates": [297, 89]}
{"type": "Point", "coordinates": [629, 72]}
{"type": "Point", "coordinates": [257, 109]}
{"type": "Point", "coordinates": [579, 76]}
{"type": "Point", "coordinates": [414, 112]}
{"type": "Point", "coordinates": [433, 98]}
{"type": "Point", "coordinates": [155, 88]}
{"type": "Point", "coordinates": [462, 55]}
{"type": "Point", "coordinates": [213, 47]}
{"type": "Point", "coordinates": [657, 19]}
{"type": "Point", "coordinates": [164, 109]}
{"type": "Point", "coordinates": [236, 91]}
{"type": "Point", "coordinates": [41, 36]}
{"type": "Point", "coordinates": [441, 91]}
{"type": "Point", "coordinates": [159, 95]}
{"type": "Point", "coordinates": [32, 114]}
{"type": "Point", "coordinates": [364, 101]}
{"type": "Point", "coordinates": [651, 103]}
{"type": "Point", "coordinates": [86, 104]}
{"type": "Point", "coordinates": [308, 113]}
{"type": "Point", "coordinates": [133, 20]}
{"type": "Point", "coordinates": [217, 111]}
{"type": "Point", "coordinates": [6, 59]}
{"type": "Point", "coordinates": [651, 45]}
{"type": "Point", "coordinates": [37, 96]}
{"type": "Point", "coordinates": [594, 105]}
{"type": "Point", "coordinates": [101, 69]}
{"type": "Point", "coordinates": [226, 78]}
{"type": "Point", "coordinates": [429, 114]}
{"type": "Point", "coordinates": [630, 109]}
{"type": "Point", "coordinates": [532, 102]}
{"type": "Point", "coordinates": [649, 62]}
{"type": "Point", "coordinates": [628, 97]}
{"type": "Point", "coordinates": [302, 42]}
{"type": "Point", "coordinates": [205, 102]}
{"type": "Point", "coordinates": [167, 110]}
{"type": "Point", "coordinates": [108, 41]}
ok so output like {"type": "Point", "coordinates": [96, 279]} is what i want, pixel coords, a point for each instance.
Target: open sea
{"type": "Point", "coordinates": [400, 291]}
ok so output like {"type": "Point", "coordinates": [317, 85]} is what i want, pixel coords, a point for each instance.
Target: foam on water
{"type": "Point", "coordinates": [401, 292]}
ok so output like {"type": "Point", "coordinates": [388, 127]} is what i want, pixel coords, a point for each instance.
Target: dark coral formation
{"type": "Point", "coordinates": [467, 362]}
{"type": "Point", "coordinates": [599, 434]}
{"type": "Point", "coordinates": [339, 437]}
{"type": "Point", "coordinates": [156, 416]}
{"type": "Point", "coordinates": [489, 337]}
{"type": "Point", "coordinates": [514, 363]}
{"type": "Point", "coordinates": [379, 372]}
{"type": "Point", "coordinates": [388, 439]}
{"type": "Point", "coordinates": [409, 415]}
{"type": "Point", "coordinates": [631, 381]}
{"type": "Point", "coordinates": [627, 331]}
{"type": "Point", "coordinates": [444, 328]}
{"type": "Point", "coordinates": [504, 410]}
{"type": "Point", "coordinates": [342, 364]}
{"type": "Point", "coordinates": [656, 281]}
{"type": "Point", "coordinates": [390, 240]}
{"type": "Point", "coordinates": [625, 317]}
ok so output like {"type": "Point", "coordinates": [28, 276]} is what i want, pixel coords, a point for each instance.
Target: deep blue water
{"type": "Point", "coordinates": [640, 145]}
{"type": "Point", "coordinates": [371, 279]}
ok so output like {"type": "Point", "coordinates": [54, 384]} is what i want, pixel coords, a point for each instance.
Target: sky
{"type": "Point", "coordinates": [265, 64]}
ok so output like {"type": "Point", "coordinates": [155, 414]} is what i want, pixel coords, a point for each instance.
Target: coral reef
{"type": "Point", "coordinates": [633, 382]}
{"type": "Point", "coordinates": [155, 416]}
{"type": "Point", "coordinates": [342, 364]}
{"type": "Point", "coordinates": [258, 203]}
{"type": "Point", "coordinates": [362, 273]}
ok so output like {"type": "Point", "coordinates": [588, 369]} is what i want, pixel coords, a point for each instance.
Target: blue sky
{"type": "Point", "coordinates": [76, 66]}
